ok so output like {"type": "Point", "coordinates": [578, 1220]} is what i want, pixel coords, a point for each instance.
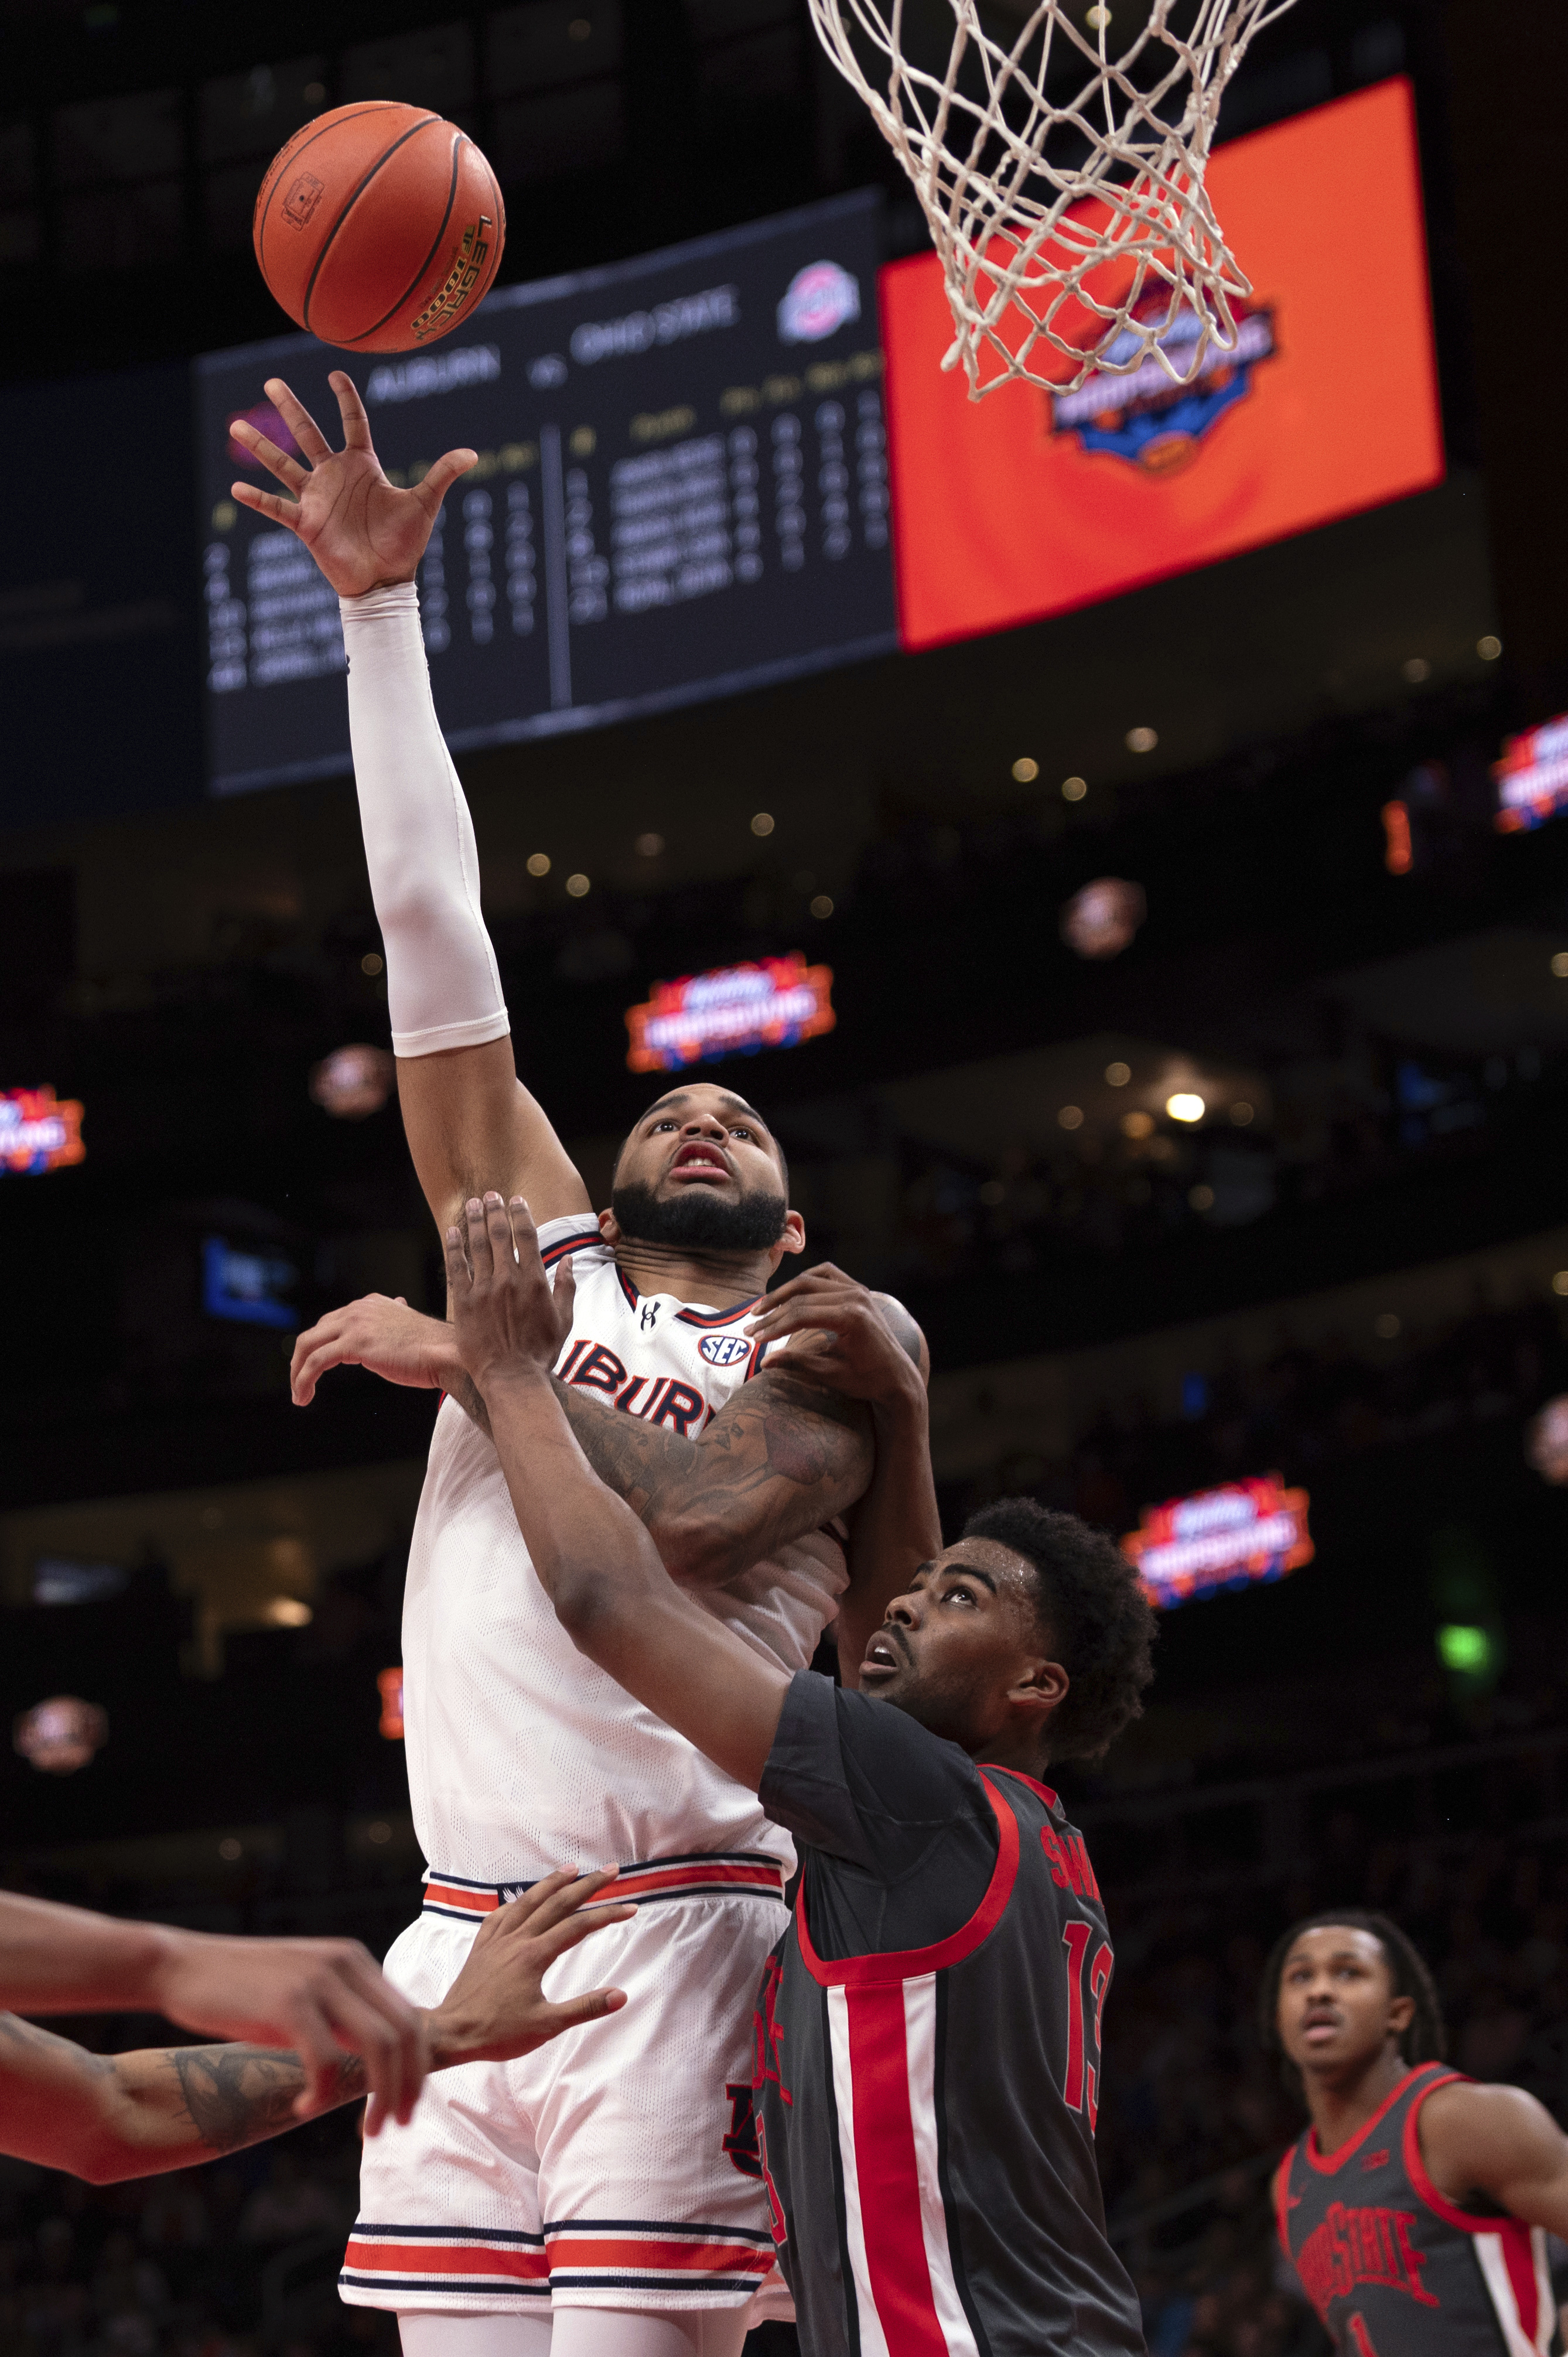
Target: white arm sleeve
{"type": "Point", "coordinates": [443, 986]}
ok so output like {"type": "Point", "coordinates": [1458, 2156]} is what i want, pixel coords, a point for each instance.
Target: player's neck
{"type": "Point", "coordinates": [1343, 2105]}
{"type": "Point", "coordinates": [719, 1279]}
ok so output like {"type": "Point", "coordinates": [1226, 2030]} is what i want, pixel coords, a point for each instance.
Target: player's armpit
{"type": "Point", "coordinates": [471, 1125]}
{"type": "Point", "coordinates": [1502, 2143]}
{"type": "Point", "coordinates": [779, 1459]}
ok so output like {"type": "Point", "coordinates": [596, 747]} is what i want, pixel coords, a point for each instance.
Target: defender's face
{"type": "Point", "coordinates": [702, 1136]}
{"type": "Point", "coordinates": [954, 1644]}
{"type": "Point", "coordinates": [1337, 2003]}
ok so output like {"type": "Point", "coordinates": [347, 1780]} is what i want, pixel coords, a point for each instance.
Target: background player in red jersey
{"type": "Point", "coordinates": [1416, 2207]}
{"type": "Point", "coordinates": [926, 2077]}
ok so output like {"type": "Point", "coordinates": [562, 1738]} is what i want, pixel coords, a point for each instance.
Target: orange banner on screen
{"type": "Point", "coordinates": [1029, 503]}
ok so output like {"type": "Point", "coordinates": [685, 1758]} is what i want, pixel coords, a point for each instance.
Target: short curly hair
{"type": "Point", "coordinates": [1097, 1616]}
{"type": "Point", "coordinates": [1425, 2039]}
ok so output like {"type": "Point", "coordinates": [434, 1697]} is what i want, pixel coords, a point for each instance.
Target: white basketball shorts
{"type": "Point", "coordinates": [594, 2172]}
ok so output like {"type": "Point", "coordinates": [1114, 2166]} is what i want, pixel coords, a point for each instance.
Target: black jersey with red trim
{"type": "Point", "coordinates": [927, 2069]}
{"type": "Point", "coordinates": [1393, 2268]}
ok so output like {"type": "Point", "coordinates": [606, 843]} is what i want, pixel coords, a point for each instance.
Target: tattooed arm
{"type": "Point", "coordinates": [779, 1459]}
{"type": "Point", "coordinates": [104, 2116]}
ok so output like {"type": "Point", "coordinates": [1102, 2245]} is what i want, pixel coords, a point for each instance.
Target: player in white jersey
{"type": "Point", "coordinates": [582, 2202]}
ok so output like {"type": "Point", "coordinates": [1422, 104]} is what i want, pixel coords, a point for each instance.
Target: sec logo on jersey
{"type": "Point", "coordinates": [724, 1350]}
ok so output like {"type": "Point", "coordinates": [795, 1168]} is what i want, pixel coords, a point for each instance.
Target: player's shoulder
{"type": "Point", "coordinates": [575, 1234]}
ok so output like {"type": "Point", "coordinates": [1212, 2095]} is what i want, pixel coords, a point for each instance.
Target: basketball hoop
{"type": "Point", "coordinates": [1062, 177]}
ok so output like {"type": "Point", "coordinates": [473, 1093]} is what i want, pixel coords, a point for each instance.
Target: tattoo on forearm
{"type": "Point", "coordinates": [778, 1439]}
{"type": "Point", "coordinates": [235, 2095]}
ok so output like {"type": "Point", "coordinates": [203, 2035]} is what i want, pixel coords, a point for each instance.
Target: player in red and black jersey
{"type": "Point", "coordinates": [1416, 2207]}
{"type": "Point", "coordinates": [927, 2066]}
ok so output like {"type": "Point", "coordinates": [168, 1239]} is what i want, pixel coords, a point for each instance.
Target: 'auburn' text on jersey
{"type": "Point", "coordinates": [523, 1756]}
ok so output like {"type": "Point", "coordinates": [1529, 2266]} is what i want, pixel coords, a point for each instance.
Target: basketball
{"type": "Point", "coordinates": [379, 227]}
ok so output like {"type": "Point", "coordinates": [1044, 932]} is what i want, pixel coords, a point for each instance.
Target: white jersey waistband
{"type": "Point", "coordinates": [703, 1874]}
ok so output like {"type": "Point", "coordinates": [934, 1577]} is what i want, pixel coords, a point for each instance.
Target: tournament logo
{"type": "Point", "coordinates": [732, 1010]}
{"type": "Point", "coordinates": [818, 302]}
{"type": "Point", "coordinates": [724, 1350]}
{"type": "Point", "coordinates": [38, 1132]}
{"type": "Point", "coordinates": [1142, 417]}
{"type": "Point", "coordinates": [1249, 1529]}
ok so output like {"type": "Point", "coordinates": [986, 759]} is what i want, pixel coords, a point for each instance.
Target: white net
{"type": "Point", "coordinates": [1061, 171]}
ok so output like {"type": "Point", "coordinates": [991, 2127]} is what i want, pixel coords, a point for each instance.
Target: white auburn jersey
{"type": "Point", "coordinates": [522, 1755]}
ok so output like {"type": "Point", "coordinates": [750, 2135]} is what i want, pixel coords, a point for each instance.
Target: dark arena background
{"type": "Point", "coordinates": [1156, 821]}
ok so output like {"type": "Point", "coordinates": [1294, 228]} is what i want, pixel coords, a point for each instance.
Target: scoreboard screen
{"type": "Point", "coordinates": [681, 491]}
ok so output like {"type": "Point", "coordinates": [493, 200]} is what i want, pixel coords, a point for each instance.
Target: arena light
{"type": "Point", "coordinates": [1246, 1531]}
{"type": "Point", "coordinates": [732, 1010]}
{"type": "Point", "coordinates": [1186, 1106]}
{"type": "Point", "coordinates": [1102, 919]}
{"type": "Point", "coordinates": [388, 1686]}
{"type": "Point", "coordinates": [61, 1735]}
{"type": "Point", "coordinates": [1466, 1651]}
{"type": "Point", "coordinates": [247, 1287]}
{"type": "Point", "coordinates": [353, 1083]}
{"type": "Point", "coordinates": [1531, 779]}
{"type": "Point", "coordinates": [38, 1132]}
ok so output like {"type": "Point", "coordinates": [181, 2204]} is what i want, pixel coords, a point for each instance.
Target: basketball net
{"type": "Point", "coordinates": [1062, 177]}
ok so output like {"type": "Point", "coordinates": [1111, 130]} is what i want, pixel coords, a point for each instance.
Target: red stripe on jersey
{"type": "Point", "coordinates": [636, 2252]}
{"type": "Point", "coordinates": [1360, 2336]}
{"type": "Point", "coordinates": [717, 1317]}
{"type": "Point", "coordinates": [1415, 2167]}
{"type": "Point", "coordinates": [899, 1964]}
{"type": "Point", "coordinates": [888, 2176]}
{"type": "Point", "coordinates": [1326, 2164]}
{"type": "Point", "coordinates": [1519, 2257]}
{"type": "Point", "coordinates": [1282, 2206]}
{"type": "Point", "coordinates": [673, 1878]}
{"type": "Point", "coordinates": [1032, 1782]}
{"type": "Point", "coordinates": [447, 2259]}
{"type": "Point", "coordinates": [573, 1243]}
{"type": "Point", "coordinates": [473, 1902]}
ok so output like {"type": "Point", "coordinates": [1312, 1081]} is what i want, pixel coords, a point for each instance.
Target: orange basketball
{"type": "Point", "coordinates": [379, 227]}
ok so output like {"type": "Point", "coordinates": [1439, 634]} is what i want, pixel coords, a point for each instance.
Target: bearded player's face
{"type": "Point", "coordinates": [701, 1168]}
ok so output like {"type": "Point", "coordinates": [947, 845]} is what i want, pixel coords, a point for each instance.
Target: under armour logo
{"type": "Point", "coordinates": [650, 1315]}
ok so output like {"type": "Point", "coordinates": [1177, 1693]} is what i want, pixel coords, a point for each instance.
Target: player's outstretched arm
{"type": "Point", "coordinates": [470, 1125]}
{"type": "Point", "coordinates": [110, 2116]}
{"type": "Point", "coordinates": [324, 1998]}
{"type": "Point", "coordinates": [1499, 2143]}
{"type": "Point", "coordinates": [597, 1564]}
{"type": "Point", "coordinates": [869, 1348]}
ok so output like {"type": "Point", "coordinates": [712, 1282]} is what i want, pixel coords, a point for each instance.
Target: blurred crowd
{"type": "Point", "coordinates": [1309, 1405]}
{"type": "Point", "coordinates": [233, 2260]}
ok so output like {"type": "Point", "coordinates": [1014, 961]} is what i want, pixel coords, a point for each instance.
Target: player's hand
{"type": "Point", "coordinates": [497, 2007]}
{"type": "Point", "coordinates": [829, 1329]}
{"type": "Point", "coordinates": [361, 529]}
{"type": "Point", "coordinates": [506, 1315]}
{"type": "Point", "coordinates": [392, 1340]}
{"type": "Point", "coordinates": [325, 1998]}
